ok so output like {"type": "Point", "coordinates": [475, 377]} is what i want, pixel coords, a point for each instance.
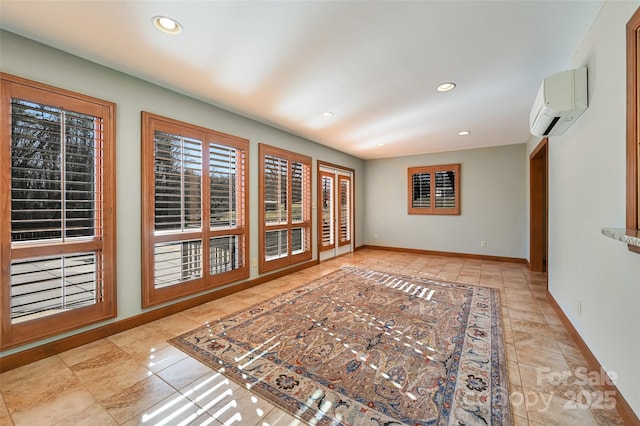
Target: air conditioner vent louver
{"type": "Point", "coordinates": [562, 98]}
{"type": "Point", "coordinates": [551, 126]}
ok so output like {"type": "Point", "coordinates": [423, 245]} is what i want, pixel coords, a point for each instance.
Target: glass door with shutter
{"type": "Point", "coordinates": [335, 212]}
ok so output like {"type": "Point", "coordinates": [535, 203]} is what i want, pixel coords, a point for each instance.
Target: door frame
{"type": "Point", "coordinates": [539, 207]}
{"type": "Point", "coordinates": [337, 168]}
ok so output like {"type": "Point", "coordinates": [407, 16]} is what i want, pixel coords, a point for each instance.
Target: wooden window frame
{"type": "Point", "coordinates": [103, 242]}
{"type": "Point", "coordinates": [331, 244]}
{"type": "Point", "coordinates": [432, 170]}
{"type": "Point", "coordinates": [151, 295]}
{"type": "Point", "coordinates": [633, 124]}
{"type": "Point", "coordinates": [291, 259]}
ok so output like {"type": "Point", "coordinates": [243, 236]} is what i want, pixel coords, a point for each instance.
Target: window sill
{"type": "Point", "coordinates": [628, 236]}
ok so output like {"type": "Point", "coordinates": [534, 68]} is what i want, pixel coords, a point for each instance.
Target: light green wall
{"type": "Point", "coordinates": [493, 192]}
{"type": "Point", "coordinates": [28, 59]}
{"type": "Point", "coordinates": [587, 171]}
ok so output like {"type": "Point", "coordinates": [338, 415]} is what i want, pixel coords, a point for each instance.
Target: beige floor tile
{"type": "Point", "coordinates": [537, 341]}
{"type": "Point", "coordinates": [510, 350]}
{"type": "Point", "coordinates": [34, 383]}
{"type": "Point", "coordinates": [176, 409]}
{"type": "Point", "coordinates": [606, 417]}
{"type": "Point", "coordinates": [520, 421]}
{"type": "Point", "coordinates": [99, 348]}
{"type": "Point", "coordinates": [173, 325]}
{"type": "Point", "coordinates": [76, 406]}
{"type": "Point", "coordinates": [518, 292]}
{"type": "Point", "coordinates": [531, 327]}
{"type": "Point", "coordinates": [527, 305]}
{"type": "Point", "coordinates": [104, 378]}
{"type": "Point", "coordinates": [517, 401]}
{"type": "Point", "coordinates": [490, 283]}
{"type": "Point", "coordinates": [535, 379]}
{"type": "Point", "coordinates": [242, 407]}
{"type": "Point", "coordinates": [568, 348]}
{"type": "Point", "coordinates": [517, 314]}
{"type": "Point", "coordinates": [277, 417]}
{"type": "Point", "coordinates": [514, 373]}
{"type": "Point", "coordinates": [135, 399]}
{"type": "Point", "coordinates": [183, 372]}
{"type": "Point", "coordinates": [544, 359]}
{"type": "Point", "coordinates": [226, 401]}
{"type": "Point", "coordinates": [554, 411]}
{"type": "Point", "coordinates": [466, 278]}
{"type": "Point", "coordinates": [210, 389]}
{"type": "Point", "coordinates": [139, 340]}
{"type": "Point", "coordinates": [163, 357]}
{"type": "Point", "coordinates": [518, 284]}
{"type": "Point", "coordinates": [3, 408]}
{"type": "Point", "coordinates": [507, 333]}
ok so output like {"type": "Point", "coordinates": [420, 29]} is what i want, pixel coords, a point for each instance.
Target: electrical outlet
{"type": "Point", "coordinates": [254, 263]}
{"type": "Point", "coordinates": [375, 236]}
{"type": "Point", "coordinates": [579, 306]}
{"type": "Point", "coordinates": [483, 243]}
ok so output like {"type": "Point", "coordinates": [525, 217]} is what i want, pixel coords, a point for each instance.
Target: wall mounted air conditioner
{"type": "Point", "coordinates": [562, 98]}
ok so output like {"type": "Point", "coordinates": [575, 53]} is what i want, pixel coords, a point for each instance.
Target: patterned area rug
{"type": "Point", "coordinates": [361, 347]}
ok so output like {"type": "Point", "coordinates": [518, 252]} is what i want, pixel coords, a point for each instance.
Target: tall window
{"type": "Point", "coordinates": [57, 227]}
{"type": "Point", "coordinates": [434, 189]}
{"type": "Point", "coordinates": [633, 124]}
{"type": "Point", "coordinates": [328, 210]}
{"type": "Point", "coordinates": [285, 208]}
{"type": "Point", "coordinates": [194, 208]}
{"type": "Point", "coordinates": [344, 212]}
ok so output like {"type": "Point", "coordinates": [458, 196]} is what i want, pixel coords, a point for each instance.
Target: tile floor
{"type": "Point", "coordinates": [137, 378]}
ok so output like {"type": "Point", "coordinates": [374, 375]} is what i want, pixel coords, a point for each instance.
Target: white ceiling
{"type": "Point", "coordinates": [374, 64]}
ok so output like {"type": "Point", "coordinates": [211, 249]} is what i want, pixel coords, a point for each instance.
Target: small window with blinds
{"type": "Point", "coordinates": [57, 174]}
{"type": "Point", "coordinates": [434, 190]}
{"type": "Point", "coordinates": [285, 212]}
{"type": "Point", "coordinates": [194, 209]}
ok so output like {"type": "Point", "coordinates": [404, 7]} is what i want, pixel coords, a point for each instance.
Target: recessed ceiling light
{"type": "Point", "coordinates": [167, 25]}
{"type": "Point", "coordinates": [445, 87]}
{"type": "Point", "coordinates": [327, 114]}
{"type": "Point", "coordinates": [380, 144]}
{"type": "Point", "coordinates": [464, 133]}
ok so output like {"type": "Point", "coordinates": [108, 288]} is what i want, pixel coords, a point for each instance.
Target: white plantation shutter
{"type": "Point", "coordinates": [57, 176]}
{"type": "Point", "coordinates": [421, 190]}
{"type": "Point", "coordinates": [344, 213]}
{"type": "Point", "coordinates": [285, 213]}
{"type": "Point", "coordinates": [276, 244]}
{"type": "Point", "coordinates": [226, 173]}
{"type": "Point", "coordinates": [327, 188]}
{"type": "Point", "coordinates": [275, 189]}
{"type": "Point", "coordinates": [178, 195]}
{"type": "Point", "coordinates": [434, 189]}
{"type": "Point", "coordinates": [227, 208]}
{"type": "Point", "coordinates": [56, 158]}
{"type": "Point", "coordinates": [178, 188]}
{"type": "Point", "coordinates": [446, 189]}
{"type": "Point", "coordinates": [195, 221]}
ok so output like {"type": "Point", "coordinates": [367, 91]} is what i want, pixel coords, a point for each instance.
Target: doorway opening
{"type": "Point", "coordinates": [539, 204]}
{"type": "Point", "coordinates": [335, 210]}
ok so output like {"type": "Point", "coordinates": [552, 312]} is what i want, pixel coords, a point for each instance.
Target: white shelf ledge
{"type": "Point", "coordinates": [627, 236]}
